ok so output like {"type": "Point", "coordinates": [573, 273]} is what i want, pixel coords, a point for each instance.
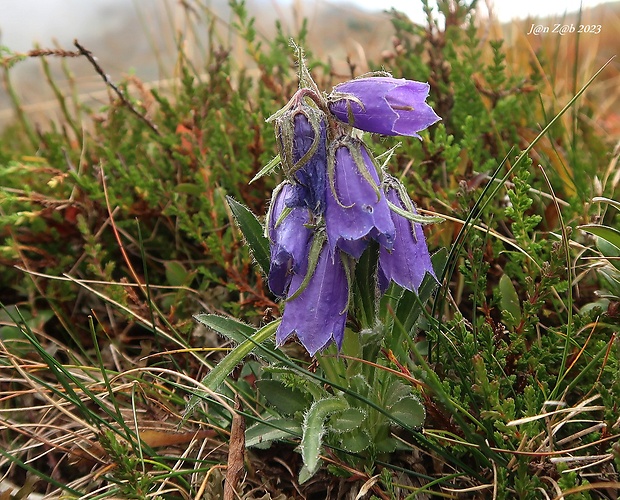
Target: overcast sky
{"type": "Point", "coordinates": [25, 21]}
{"type": "Point", "coordinates": [505, 10]}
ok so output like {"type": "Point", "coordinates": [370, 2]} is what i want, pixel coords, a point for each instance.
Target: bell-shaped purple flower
{"type": "Point", "coordinates": [409, 260]}
{"type": "Point", "coordinates": [301, 131]}
{"type": "Point", "coordinates": [383, 105]}
{"type": "Point", "coordinates": [355, 208]}
{"type": "Point", "coordinates": [316, 310]}
{"type": "Point", "coordinates": [289, 237]}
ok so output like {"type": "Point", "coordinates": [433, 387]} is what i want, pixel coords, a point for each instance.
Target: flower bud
{"type": "Point", "coordinates": [301, 133]}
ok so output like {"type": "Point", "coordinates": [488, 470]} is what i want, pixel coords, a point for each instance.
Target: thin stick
{"type": "Point", "coordinates": [236, 449]}
{"type": "Point", "coordinates": [109, 83]}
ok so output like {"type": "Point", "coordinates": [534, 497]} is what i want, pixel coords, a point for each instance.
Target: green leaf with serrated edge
{"type": "Point", "coordinates": [314, 429]}
{"type": "Point", "coordinates": [409, 411]}
{"type": "Point", "coordinates": [386, 445]}
{"type": "Point", "coordinates": [286, 400]}
{"type": "Point", "coordinates": [253, 232]}
{"type": "Point", "coordinates": [219, 372]}
{"type": "Point", "coordinates": [347, 421]}
{"type": "Point", "coordinates": [359, 385]}
{"type": "Point", "coordinates": [355, 441]}
{"type": "Point", "coordinates": [607, 233]}
{"type": "Point", "coordinates": [509, 300]}
{"type": "Point", "coordinates": [238, 332]}
{"type": "Point", "coordinates": [264, 433]}
{"type": "Point", "coordinates": [267, 169]}
{"type": "Point", "coordinates": [397, 391]}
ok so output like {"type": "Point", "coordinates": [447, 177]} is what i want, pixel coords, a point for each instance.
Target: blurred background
{"type": "Point", "coordinates": [144, 38]}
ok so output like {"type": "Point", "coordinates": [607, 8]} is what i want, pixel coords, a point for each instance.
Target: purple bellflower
{"type": "Point", "coordinates": [289, 237]}
{"type": "Point", "coordinates": [316, 310]}
{"type": "Point", "coordinates": [355, 209]}
{"type": "Point", "coordinates": [301, 131]}
{"type": "Point", "coordinates": [409, 260]}
{"type": "Point", "coordinates": [383, 105]}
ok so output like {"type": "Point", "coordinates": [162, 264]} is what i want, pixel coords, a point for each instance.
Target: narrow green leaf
{"type": "Point", "coordinates": [267, 169]}
{"type": "Point", "coordinates": [305, 474]}
{"type": "Point", "coordinates": [286, 400]}
{"type": "Point", "coordinates": [219, 372]}
{"type": "Point", "coordinates": [365, 286]}
{"type": "Point", "coordinates": [253, 232]}
{"type": "Point", "coordinates": [606, 248]}
{"type": "Point", "coordinates": [612, 279]}
{"type": "Point", "coordinates": [419, 219]}
{"type": "Point", "coordinates": [509, 300]}
{"type": "Point", "coordinates": [188, 188]}
{"type": "Point", "coordinates": [313, 431]}
{"type": "Point", "coordinates": [238, 332]}
{"type": "Point", "coordinates": [607, 233]}
{"type": "Point", "coordinates": [264, 433]}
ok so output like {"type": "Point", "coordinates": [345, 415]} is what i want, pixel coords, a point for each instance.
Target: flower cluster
{"type": "Point", "coordinates": [336, 199]}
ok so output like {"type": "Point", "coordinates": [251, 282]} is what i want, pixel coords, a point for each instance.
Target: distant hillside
{"type": "Point", "coordinates": [142, 42]}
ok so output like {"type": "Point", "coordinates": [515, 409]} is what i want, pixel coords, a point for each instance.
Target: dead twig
{"type": "Point", "coordinates": [117, 91]}
{"type": "Point", "coordinates": [236, 449]}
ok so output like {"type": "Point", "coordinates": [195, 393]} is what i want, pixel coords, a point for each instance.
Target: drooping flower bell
{"type": "Point", "coordinates": [409, 260]}
{"type": "Point", "coordinates": [316, 310]}
{"type": "Point", "coordinates": [356, 209]}
{"type": "Point", "coordinates": [301, 132]}
{"type": "Point", "coordinates": [383, 105]}
{"type": "Point", "coordinates": [289, 237]}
